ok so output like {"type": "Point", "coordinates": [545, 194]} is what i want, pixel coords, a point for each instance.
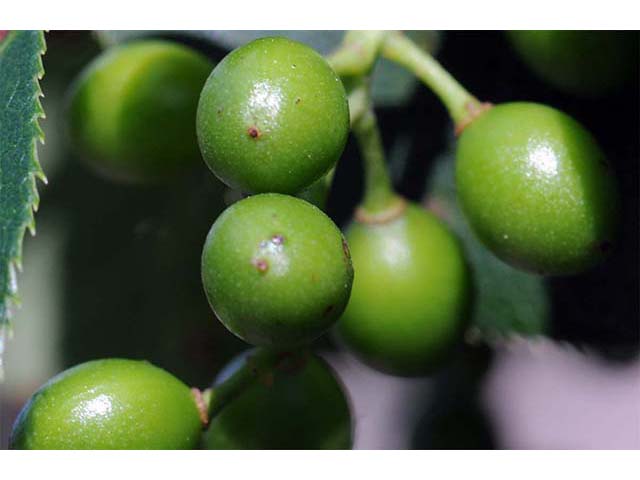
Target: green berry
{"type": "Point", "coordinates": [579, 61]}
{"type": "Point", "coordinates": [276, 270]}
{"type": "Point", "coordinates": [410, 293]}
{"type": "Point", "coordinates": [536, 188]}
{"type": "Point", "coordinates": [132, 111]}
{"type": "Point", "coordinates": [109, 404]}
{"type": "Point", "coordinates": [302, 406]}
{"type": "Point", "coordinates": [273, 117]}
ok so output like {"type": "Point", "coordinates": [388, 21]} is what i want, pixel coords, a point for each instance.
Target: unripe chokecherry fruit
{"type": "Point", "coordinates": [110, 404]}
{"type": "Point", "coordinates": [276, 270]}
{"type": "Point", "coordinates": [536, 188]}
{"type": "Point", "coordinates": [410, 293]}
{"type": "Point", "coordinates": [273, 117]}
{"type": "Point", "coordinates": [300, 405]}
{"type": "Point", "coordinates": [132, 111]}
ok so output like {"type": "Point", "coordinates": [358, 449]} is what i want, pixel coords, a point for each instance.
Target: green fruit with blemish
{"type": "Point", "coordinates": [536, 189]}
{"type": "Point", "coordinates": [301, 406]}
{"type": "Point", "coordinates": [276, 270]}
{"type": "Point", "coordinates": [579, 61]}
{"type": "Point", "coordinates": [132, 111]}
{"type": "Point", "coordinates": [110, 404]}
{"type": "Point", "coordinates": [410, 294]}
{"type": "Point", "coordinates": [273, 117]}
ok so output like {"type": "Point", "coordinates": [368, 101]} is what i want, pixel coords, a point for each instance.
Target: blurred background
{"type": "Point", "coordinates": [114, 270]}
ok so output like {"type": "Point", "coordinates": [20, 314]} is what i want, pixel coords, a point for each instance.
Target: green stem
{"type": "Point", "coordinates": [258, 366]}
{"type": "Point", "coordinates": [458, 101]}
{"type": "Point", "coordinates": [379, 194]}
{"type": "Point", "coordinates": [318, 191]}
{"type": "Point", "coordinates": [358, 52]}
{"type": "Point", "coordinates": [358, 101]}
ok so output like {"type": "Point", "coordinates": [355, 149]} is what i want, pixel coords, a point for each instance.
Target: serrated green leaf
{"type": "Point", "coordinates": [508, 302]}
{"type": "Point", "coordinates": [392, 85]}
{"type": "Point", "coordinates": [20, 109]}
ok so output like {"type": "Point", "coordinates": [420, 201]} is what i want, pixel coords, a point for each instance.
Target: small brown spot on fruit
{"type": "Point", "coordinates": [261, 264]}
{"type": "Point", "coordinates": [298, 100]}
{"type": "Point", "coordinates": [220, 110]}
{"type": "Point", "coordinates": [327, 311]}
{"type": "Point", "coordinates": [291, 363]}
{"type": "Point", "coordinates": [345, 249]}
{"type": "Point", "coordinates": [253, 131]}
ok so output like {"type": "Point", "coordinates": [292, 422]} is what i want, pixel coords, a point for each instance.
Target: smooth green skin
{"type": "Point", "coordinates": [303, 409]}
{"type": "Point", "coordinates": [536, 189]}
{"type": "Point", "coordinates": [579, 61]}
{"type": "Point", "coordinates": [111, 404]}
{"type": "Point", "coordinates": [288, 96]}
{"type": "Point", "coordinates": [276, 270]}
{"type": "Point", "coordinates": [132, 110]}
{"type": "Point", "coordinates": [410, 294]}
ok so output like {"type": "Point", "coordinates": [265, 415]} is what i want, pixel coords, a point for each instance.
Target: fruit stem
{"type": "Point", "coordinates": [258, 367]}
{"type": "Point", "coordinates": [358, 102]}
{"type": "Point", "coordinates": [318, 191]}
{"type": "Point", "coordinates": [462, 106]}
{"type": "Point", "coordinates": [358, 52]}
{"type": "Point", "coordinates": [379, 194]}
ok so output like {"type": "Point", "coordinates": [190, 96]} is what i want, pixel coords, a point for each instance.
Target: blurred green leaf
{"type": "Point", "coordinates": [392, 85]}
{"type": "Point", "coordinates": [20, 71]}
{"type": "Point", "coordinates": [132, 274]}
{"type": "Point", "coordinates": [507, 301]}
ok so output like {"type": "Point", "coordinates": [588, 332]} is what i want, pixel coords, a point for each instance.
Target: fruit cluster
{"type": "Point", "coordinates": [271, 120]}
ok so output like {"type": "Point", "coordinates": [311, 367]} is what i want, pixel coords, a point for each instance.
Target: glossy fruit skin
{"type": "Point", "coordinates": [276, 270]}
{"type": "Point", "coordinates": [581, 62]}
{"type": "Point", "coordinates": [536, 189]}
{"type": "Point", "coordinates": [410, 294]}
{"type": "Point", "coordinates": [111, 404]}
{"type": "Point", "coordinates": [273, 117]}
{"type": "Point", "coordinates": [304, 407]}
{"type": "Point", "coordinates": [131, 112]}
